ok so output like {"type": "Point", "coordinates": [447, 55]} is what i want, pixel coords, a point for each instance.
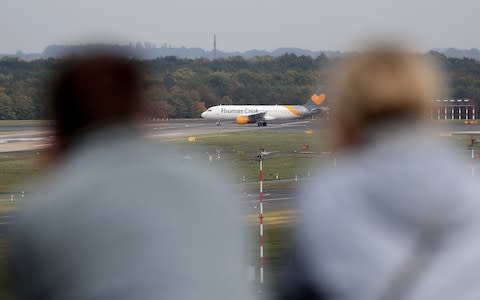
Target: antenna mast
{"type": "Point", "coordinates": [214, 47]}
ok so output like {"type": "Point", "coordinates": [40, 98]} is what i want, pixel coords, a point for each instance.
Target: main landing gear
{"type": "Point", "coordinates": [259, 124]}
{"type": "Point", "coordinates": [219, 123]}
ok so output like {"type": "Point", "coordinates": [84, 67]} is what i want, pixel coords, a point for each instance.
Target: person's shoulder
{"type": "Point", "coordinates": [329, 180]}
{"type": "Point", "coordinates": [319, 191]}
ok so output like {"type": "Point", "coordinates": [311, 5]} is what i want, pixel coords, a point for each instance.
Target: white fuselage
{"type": "Point", "coordinates": [272, 112]}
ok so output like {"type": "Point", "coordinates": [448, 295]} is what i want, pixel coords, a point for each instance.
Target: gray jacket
{"type": "Point", "coordinates": [397, 219]}
{"type": "Point", "coordinates": [122, 219]}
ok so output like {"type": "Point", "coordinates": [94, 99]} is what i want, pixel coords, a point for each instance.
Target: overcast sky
{"type": "Point", "coordinates": [239, 25]}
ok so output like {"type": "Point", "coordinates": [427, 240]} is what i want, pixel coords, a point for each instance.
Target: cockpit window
{"type": "Point", "coordinates": [209, 110]}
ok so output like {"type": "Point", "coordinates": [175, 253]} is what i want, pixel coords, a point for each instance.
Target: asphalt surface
{"type": "Point", "coordinates": [33, 137]}
{"type": "Point", "coordinates": [24, 138]}
{"type": "Point", "coordinates": [182, 128]}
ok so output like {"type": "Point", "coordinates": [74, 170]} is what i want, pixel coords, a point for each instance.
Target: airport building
{"type": "Point", "coordinates": [454, 109]}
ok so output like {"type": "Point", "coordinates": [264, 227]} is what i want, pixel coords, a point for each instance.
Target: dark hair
{"type": "Point", "coordinates": [92, 92]}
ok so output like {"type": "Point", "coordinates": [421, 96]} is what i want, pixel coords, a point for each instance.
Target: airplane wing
{"type": "Point", "coordinates": [257, 116]}
{"type": "Point", "coordinates": [250, 119]}
{"type": "Point", "coordinates": [317, 110]}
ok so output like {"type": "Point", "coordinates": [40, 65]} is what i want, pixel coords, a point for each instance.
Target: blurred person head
{"type": "Point", "coordinates": [93, 92]}
{"type": "Point", "coordinates": [385, 83]}
{"type": "Point", "coordinates": [84, 236]}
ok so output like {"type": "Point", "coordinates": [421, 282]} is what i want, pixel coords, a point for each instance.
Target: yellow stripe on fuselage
{"type": "Point", "coordinates": [293, 110]}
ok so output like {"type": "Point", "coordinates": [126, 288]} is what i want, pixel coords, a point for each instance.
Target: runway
{"type": "Point", "coordinates": [34, 137]}
{"type": "Point", "coordinates": [175, 129]}
{"type": "Point", "coordinates": [24, 138]}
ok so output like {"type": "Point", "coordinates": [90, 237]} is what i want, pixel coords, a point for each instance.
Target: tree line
{"type": "Point", "coordinates": [183, 88]}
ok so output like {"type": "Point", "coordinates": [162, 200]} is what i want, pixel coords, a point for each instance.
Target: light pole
{"type": "Point", "coordinates": [472, 149]}
{"type": "Point", "coordinates": [260, 197]}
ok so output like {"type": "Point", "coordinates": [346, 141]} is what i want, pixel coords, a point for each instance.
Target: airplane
{"type": "Point", "coordinates": [260, 114]}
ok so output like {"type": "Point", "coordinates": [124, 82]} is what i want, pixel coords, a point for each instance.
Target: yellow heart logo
{"type": "Point", "coordinates": [318, 99]}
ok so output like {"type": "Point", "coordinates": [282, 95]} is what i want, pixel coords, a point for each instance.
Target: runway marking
{"type": "Point", "coordinates": [294, 123]}
{"type": "Point", "coordinates": [179, 126]}
{"type": "Point", "coordinates": [22, 139]}
{"type": "Point", "coordinates": [465, 132]}
{"type": "Point", "coordinates": [19, 134]}
{"type": "Point", "coordinates": [271, 200]}
{"type": "Point", "coordinates": [212, 135]}
{"type": "Point", "coordinates": [166, 134]}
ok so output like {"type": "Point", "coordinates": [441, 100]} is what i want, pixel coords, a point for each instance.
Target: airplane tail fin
{"type": "Point", "coordinates": [318, 101]}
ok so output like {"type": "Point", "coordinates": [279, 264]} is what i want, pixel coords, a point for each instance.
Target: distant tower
{"type": "Point", "coordinates": [214, 46]}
